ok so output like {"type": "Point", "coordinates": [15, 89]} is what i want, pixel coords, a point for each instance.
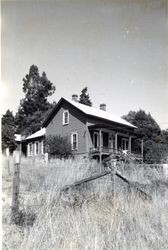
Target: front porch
{"type": "Point", "coordinates": [107, 141]}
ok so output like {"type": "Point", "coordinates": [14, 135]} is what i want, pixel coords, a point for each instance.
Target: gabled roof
{"type": "Point", "coordinates": [91, 111]}
{"type": "Point", "coordinates": [39, 133]}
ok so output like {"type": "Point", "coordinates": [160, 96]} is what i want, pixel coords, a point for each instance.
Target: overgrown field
{"type": "Point", "coordinates": [73, 220]}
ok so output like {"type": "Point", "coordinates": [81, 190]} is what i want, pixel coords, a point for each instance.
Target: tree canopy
{"type": "Point", "coordinates": [8, 131]}
{"type": "Point", "coordinates": [85, 98]}
{"type": "Point", "coordinates": [147, 126]}
{"type": "Point", "coordinates": [34, 106]}
{"type": "Point", "coordinates": [155, 148]}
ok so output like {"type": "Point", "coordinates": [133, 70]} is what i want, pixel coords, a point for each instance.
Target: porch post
{"type": "Point", "coordinates": [129, 144]}
{"type": "Point", "coordinates": [100, 147]}
{"type": "Point", "coordinates": [86, 137]}
{"type": "Point", "coordinates": [116, 143]}
{"type": "Point", "coordinates": [142, 149]}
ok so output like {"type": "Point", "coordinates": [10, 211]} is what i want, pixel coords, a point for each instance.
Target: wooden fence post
{"type": "Point", "coordinates": [46, 159]}
{"type": "Point", "coordinates": [16, 184]}
{"type": "Point", "coordinates": [8, 161]}
{"type": "Point", "coordinates": [113, 172]}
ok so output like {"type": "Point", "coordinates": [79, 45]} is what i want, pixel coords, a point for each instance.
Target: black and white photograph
{"type": "Point", "coordinates": [84, 124]}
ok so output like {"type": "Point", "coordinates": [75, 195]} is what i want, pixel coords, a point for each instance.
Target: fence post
{"type": "Point", "coordinates": [46, 159]}
{"type": "Point", "coordinates": [8, 161]}
{"type": "Point", "coordinates": [16, 183]}
{"type": "Point", "coordinates": [165, 170]}
{"type": "Point", "coordinates": [113, 171]}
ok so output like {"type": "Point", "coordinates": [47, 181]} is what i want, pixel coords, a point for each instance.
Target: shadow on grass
{"type": "Point", "coordinates": [22, 218]}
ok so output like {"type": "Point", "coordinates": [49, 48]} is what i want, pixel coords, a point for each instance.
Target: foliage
{"type": "Point", "coordinates": [155, 152]}
{"type": "Point", "coordinates": [85, 98]}
{"type": "Point", "coordinates": [147, 126]}
{"type": "Point", "coordinates": [8, 131]}
{"type": "Point", "coordinates": [155, 140]}
{"type": "Point", "coordinates": [33, 107]}
{"type": "Point", "coordinates": [58, 146]}
{"type": "Point", "coordinates": [164, 137]}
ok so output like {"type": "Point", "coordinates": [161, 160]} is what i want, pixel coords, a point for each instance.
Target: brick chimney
{"type": "Point", "coordinates": [75, 98]}
{"type": "Point", "coordinates": [103, 106]}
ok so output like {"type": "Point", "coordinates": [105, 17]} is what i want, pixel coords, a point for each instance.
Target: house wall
{"type": "Point", "coordinates": [77, 123]}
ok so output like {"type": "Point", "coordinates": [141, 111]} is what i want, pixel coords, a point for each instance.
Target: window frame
{"type": "Point", "coordinates": [30, 153]}
{"type": "Point", "coordinates": [35, 148]}
{"type": "Point", "coordinates": [96, 134]}
{"type": "Point", "coordinates": [72, 142]}
{"type": "Point", "coordinates": [125, 143]}
{"type": "Point", "coordinates": [42, 147]}
{"type": "Point", "coordinates": [63, 118]}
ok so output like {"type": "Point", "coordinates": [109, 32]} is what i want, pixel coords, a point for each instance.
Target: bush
{"type": "Point", "coordinates": [57, 146]}
{"type": "Point", "coordinates": [155, 152]}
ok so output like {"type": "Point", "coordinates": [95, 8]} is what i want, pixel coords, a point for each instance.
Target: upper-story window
{"type": "Point", "coordinates": [65, 117]}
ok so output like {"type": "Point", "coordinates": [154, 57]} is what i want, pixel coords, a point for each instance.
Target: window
{"type": "Point", "coordinates": [74, 141]}
{"type": "Point", "coordinates": [96, 140]}
{"type": "Point", "coordinates": [124, 144]}
{"type": "Point", "coordinates": [30, 149]}
{"type": "Point", "coordinates": [65, 117]}
{"type": "Point", "coordinates": [42, 147]}
{"type": "Point", "coordinates": [105, 137]}
{"type": "Point", "coordinates": [36, 148]}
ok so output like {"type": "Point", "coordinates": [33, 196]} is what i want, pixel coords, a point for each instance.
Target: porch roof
{"type": "Point", "coordinates": [113, 128]}
{"type": "Point", "coordinates": [37, 134]}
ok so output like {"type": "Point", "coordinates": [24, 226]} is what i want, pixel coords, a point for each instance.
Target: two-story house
{"type": "Point", "coordinates": [93, 132]}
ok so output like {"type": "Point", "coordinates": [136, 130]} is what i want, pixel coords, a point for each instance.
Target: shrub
{"type": "Point", "coordinates": [58, 146]}
{"type": "Point", "coordinates": [155, 152]}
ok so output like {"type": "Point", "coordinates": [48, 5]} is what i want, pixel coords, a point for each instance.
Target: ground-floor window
{"type": "Point", "coordinates": [96, 139]}
{"type": "Point", "coordinates": [36, 148]}
{"type": "Point", "coordinates": [124, 144]}
{"type": "Point", "coordinates": [30, 149]}
{"type": "Point", "coordinates": [74, 141]}
{"type": "Point", "coordinates": [42, 147]}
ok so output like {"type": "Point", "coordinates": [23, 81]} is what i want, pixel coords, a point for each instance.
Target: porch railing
{"type": "Point", "coordinates": [116, 152]}
{"type": "Point", "coordinates": [103, 150]}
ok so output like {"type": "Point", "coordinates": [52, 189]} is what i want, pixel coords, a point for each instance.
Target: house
{"type": "Point", "coordinates": [93, 132]}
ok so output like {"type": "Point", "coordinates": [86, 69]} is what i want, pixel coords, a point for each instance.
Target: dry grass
{"type": "Point", "coordinates": [127, 222]}
{"type": "Point", "coordinates": [142, 173]}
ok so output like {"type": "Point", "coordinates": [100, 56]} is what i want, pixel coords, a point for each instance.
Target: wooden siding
{"type": "Point", "coordinates": [77, 123]}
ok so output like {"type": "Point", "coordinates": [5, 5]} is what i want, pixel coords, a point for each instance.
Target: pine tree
{"type": "Point", "coordinates": [34, 106]}
{"type": "Point", "coordinates": [8, 131]}
{"type": "Point", "coordinates": [84, 97]}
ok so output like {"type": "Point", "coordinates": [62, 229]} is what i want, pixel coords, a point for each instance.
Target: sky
{"type": "Point", "coordinates": [117, 48]}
